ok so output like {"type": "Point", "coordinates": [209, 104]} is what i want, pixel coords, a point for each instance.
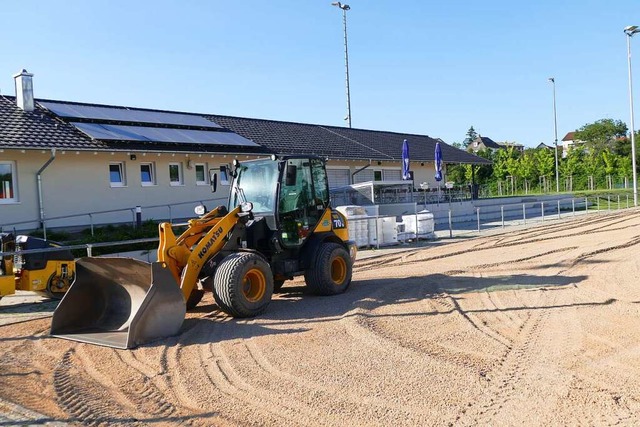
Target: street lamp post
{"type": "Point", "coordinates": [555, 132]}
{"type": "Point", "coordinates": [344, 8]}
{"type": "Point", "coordinates": [630, 31]}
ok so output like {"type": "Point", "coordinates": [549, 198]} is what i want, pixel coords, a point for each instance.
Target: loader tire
{"type": "Point", "coordinates": [330, 273]}
{"type": "Point", "coordinates": [277, 285]}
{"type": "Point", "coordinates": [194, 298]}
{"type": "Point", "coordinates": [243, 285]}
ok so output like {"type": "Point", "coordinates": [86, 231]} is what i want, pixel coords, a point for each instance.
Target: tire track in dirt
{"type": "Point", "coordinates": [256, 404]}
{"type": "Point", "coordinates": [143, 392]}
{"type": "Point", "coordinates": [188, 385]}
{"type": "Point", "coordinates": [324, 399]}
{"type": "Point", "coordinates": [504, 380]}
{"type": "Point", "coordinates": [520, 238]}
{"type": "Point", "coordinates": [84, 399]}
{"type": "Point", "coordinates": [212, 383]}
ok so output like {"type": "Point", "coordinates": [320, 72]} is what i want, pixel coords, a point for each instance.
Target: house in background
{"type": "Point", "coordinates": [543, 145]}
{"type": "Point", "coordinates": [482, 143]}
{"type": "Point", "coordinates": [517, 147]}
{"type": "Point", "coordinates": [75, 164]}
{"type": "Point", "coordinates": [567, 142]}
{"type": "Point", "coordinates": [485, 143]}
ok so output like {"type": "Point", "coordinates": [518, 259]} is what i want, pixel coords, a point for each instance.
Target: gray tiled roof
{"type": "Point", "coordinates": [41, 129]}
{"type": "Point", "coordinates": [36, 129]}
{"type": "Point", "coordinates": [340, 142]}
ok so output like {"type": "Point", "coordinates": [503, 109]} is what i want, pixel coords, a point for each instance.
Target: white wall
{"type": "Point", "coordinates": [422, 171]}
{"type": "Point", "coordinates": [77, 182]}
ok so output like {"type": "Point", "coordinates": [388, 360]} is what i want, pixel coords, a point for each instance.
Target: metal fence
{"type": "Point", "coordinates": [91, 219]}
{"type": "Point", "coordinates": [449, 223]}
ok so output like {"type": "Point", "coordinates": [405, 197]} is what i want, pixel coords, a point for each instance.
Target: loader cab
{"type": "Point", "coordinates": [290, 193]}
{"type": "Point", "coordinates": [303, 197]}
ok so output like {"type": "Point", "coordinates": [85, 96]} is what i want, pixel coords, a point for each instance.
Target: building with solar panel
{"type": "Point", "coordinates": [75, 164]}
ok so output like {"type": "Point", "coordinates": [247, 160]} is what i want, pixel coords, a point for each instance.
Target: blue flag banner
{"type": "Point", "coordinates": [405, 160]}
{"type": "Point", "coordinates": [438, 162]}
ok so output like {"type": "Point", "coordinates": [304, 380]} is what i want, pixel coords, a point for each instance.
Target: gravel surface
{"type": "Point", "coordinates": [535, 326]}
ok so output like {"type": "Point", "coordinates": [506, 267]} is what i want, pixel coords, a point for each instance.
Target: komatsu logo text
{"type": "Point", "coordinates": [210, 243]}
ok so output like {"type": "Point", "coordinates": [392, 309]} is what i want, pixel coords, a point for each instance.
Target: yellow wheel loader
{"type": "Point", "coordinates": [47, 272]}
{"type": "Point", "coordinates": [278, 224]}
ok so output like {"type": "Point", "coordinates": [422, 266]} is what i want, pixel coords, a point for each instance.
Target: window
{"type": "Point", "coordinates": [392, 175]}
{"type": "Point", "coordinates": [201, 174]}
{"type": "Point", "coordinates": [8, 182]}
{"type": "Point", "coordinates": [175, 174]}
{"type": "Point", "coordinates": [224, 175]}
{"type": "Point", "coordinates": [377, 175]}
{"type": "Point", "coordinates": [116, 174]}
{"type": "Point", "coordinates": [147, 174]}
{"type": "Point", "coordinates": [338, 177]}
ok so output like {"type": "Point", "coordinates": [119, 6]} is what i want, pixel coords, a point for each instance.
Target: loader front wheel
{"type": "Point", "coordinates": [330, 274]}
{"type": "Point", "coordinates": [194, 298]}
{"type": "Point", "coordinates": [243, 285]}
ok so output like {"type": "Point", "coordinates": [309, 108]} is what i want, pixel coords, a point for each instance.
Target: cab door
{"type": "Point", "coordinates": [302, 199]}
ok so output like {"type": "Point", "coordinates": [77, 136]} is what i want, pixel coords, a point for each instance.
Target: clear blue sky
{"type": "Point", "coordinates": [418, 66]}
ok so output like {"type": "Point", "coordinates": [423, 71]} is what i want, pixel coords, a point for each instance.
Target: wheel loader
{"type": "Point", "coordinates": [278, 224]}
{"type": "Point", "coordinates": [48, 272]}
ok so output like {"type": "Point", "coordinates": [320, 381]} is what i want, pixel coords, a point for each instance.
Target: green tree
{"type": "Point", "coordinates": [625, 168]}
{"type": "Point", "coordinates": [528, 167]}
{"type": "Point", "coordinates": [610, 161]}
{"type": "Point", "coordinates": [545, 162]}
{"type": "Point", "coordinates": [472, 134]}
{"type": "Point", "coordinates": [601, 134]}
{"type": "Point", "coordinates": [571, 166]}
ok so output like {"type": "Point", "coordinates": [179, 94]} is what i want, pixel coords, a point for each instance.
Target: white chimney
{"type": "Point", "coordinates": [24, 90]}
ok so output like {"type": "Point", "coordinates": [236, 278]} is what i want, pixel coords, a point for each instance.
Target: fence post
{"type": "Point", "coordinates": [627, 201]}
{"type": "Point", "coordinates": [618, 201]}
{"type": "Point", "coordinates": [478, 216]}
{"type": "Point", "coordinates": [573, 206]}
{"type": "Point", "coordinates": [598, 200]}
{"type": "Point", "coordinates": [524, 214]}
{"type": "Point", "coordinates": [542, 208]}
{"type": "Point", "coordinates": [138, 216]}
{"type": "Point", "coordinates": [609, 202]}
{"type": "Point", "coordinates": [502, 215]}
{"type": "Point", "coordinates": [586, 205]}
{"type": "Point", "coordinates": [91, 222]}
{"type": "Point", "coordinates": [89, 251]}
{"type": "Point", "coordinates": [558, 209]}
{"type": "Point", "coordinates": [450, 227]}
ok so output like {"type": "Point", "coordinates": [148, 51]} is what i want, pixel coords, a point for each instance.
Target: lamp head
{"type": "Point", "coordinates": [552, 79]}
{"type": "Point", "coordinates": [631, 30]}
{"type": "Point", "coordinates": [341, 6]}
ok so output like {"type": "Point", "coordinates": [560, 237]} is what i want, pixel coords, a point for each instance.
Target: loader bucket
{"type": "Point", "coordinates": [120, 303]}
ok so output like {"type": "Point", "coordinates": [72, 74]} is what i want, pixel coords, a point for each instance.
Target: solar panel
{"type": "Point", "coordinates": [121, 114]}
{"type": "Point", "coordinates": [150, 134]}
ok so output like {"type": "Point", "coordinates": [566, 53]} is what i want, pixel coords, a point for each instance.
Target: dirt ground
{"type": "Point", "coordinates": [538, 326]}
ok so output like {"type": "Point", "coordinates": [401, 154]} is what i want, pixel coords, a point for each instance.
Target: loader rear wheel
{"type": "Point", "coordinates": [331, 271]}
{"type": "Point", "coordinates": [243, 285]}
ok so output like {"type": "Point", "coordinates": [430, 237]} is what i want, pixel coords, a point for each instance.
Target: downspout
{"type": "Point", "coordinates": [40, 200]}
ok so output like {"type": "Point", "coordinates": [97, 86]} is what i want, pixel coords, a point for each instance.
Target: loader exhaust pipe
{"type": "Point", "coordinates": [120, 303]}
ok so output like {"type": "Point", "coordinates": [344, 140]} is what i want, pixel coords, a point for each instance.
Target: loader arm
{"type": "Point", "coordinates": [186, 255]}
